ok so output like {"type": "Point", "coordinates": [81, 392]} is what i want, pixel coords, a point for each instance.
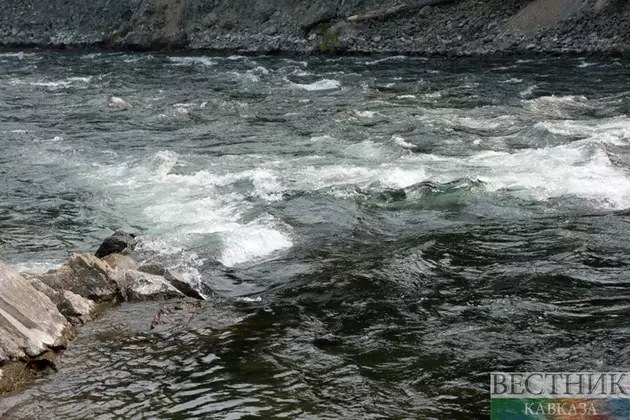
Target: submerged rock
{"type": "Point", "coordinates": [30, 323]}
{"type": "Point", "coordinates": [118, 243]}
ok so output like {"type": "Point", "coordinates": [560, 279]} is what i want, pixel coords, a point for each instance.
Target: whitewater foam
{"type": "Point", "coordinates": [365, 114]}
{"type": "Point", "coordinates": [557, 106]}
{"type": "Point", "coordinates": [116, 102]}
{"type": "Point", "coordinates": [612, 130]}
{"type": "Point", "coordinates": [512, 81]}
{"type": "Point", "coordinates": [38, 267]}
{"type": "Point", "coordinates": [325, 84]}
{"type": "Point", "coordinates": [450, 118]}
{"type": "Point", "coordinates": [186, 61]}
{"type": "Point", "coordinates": [528, 92]}
{"type": "Point", "coordinates": [202, 208]}
{"type": "Point", "coordinates": [401, 142]}
{"type": "Point", "coordinates": [253, 241]}
{"type": "Point", "coordinates": [581, 170]}
{"type": "Point", "coordinates": [54, 84]}
{"type": "Point", "coordinates": [386, 59]}
{"type": "Point", "coordinates": [20, 55]}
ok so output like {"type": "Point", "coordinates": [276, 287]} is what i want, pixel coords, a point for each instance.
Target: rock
{"type": "Point", "coordinates": [137, 41]}
{"type": "Point", "coordinates": [426, 11]}
{"type": "Point", "coordinates": [120, 261]}
{"type": "Point", "coordinates": [153, 268]}
{"type": "Point", "coordinates": [180, 283]}
{"type": "Point", "coordinates": [40, 286]}
{"type": "Point", "coordinates": [86, 276]}
{"type": "Point", "coordinates": [270, 30]}
{"type": "Point", "coordinates": [75, 308]}
{"type": "Point", "coordinates": [316, 12]}
{"type": "Point", "coordinates": [30, 323]}
{"type": "Point", "coordinates": [178, 39]}
{"type": "Point", "coordinates": [144, 286]}
{"type": "Point", "coordinates": [119, 243]}
{"type": "Point", "coordinates": [176, 279]}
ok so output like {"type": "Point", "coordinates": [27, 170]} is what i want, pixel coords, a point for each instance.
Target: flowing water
{"type": "Point", "coordinates": [379, 233]}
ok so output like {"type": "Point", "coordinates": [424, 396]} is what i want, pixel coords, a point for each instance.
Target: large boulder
{"type": "Point", "coordinates": [86, 276]}
{"type": "Point", "coordinates": [120, 242]}
{"type": "Point", "coordinates": [30, 323]}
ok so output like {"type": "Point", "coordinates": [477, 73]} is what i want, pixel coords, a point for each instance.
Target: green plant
{"type": "Point", "coordinates": [329, 39]}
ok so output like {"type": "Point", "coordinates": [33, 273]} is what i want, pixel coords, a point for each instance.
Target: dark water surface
{"type": "Point", "coordinates": [379, 234]}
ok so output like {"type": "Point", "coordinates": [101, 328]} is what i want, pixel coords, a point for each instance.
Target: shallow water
{"type": "Point", "coordinates": [380, 233]}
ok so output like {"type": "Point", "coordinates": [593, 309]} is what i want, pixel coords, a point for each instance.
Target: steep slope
{"type": "Point", "coordinates": [457, 27]}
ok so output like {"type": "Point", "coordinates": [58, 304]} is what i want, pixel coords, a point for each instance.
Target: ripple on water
{"type": "Point", "coordinates": [378, 237]}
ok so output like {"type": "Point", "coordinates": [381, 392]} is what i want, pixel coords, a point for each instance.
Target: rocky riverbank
{"type": "Point", "coordinates": [39, 313]}
{"type": "Point", "coordinates": [432, 27]}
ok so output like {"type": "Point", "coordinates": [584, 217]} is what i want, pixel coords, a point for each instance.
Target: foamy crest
{"type": "Point", "coordinates": [267, 185]}
{"type": "Point", "coordinates": [163, 162]}
{"type": "Point", "coordinates": [557, 106]}
{"type": "Point", "coordinates": [81, 82]}
{"type": "Point", "coordinates": [252, 241]}
{"type": "Point", "coordinates": [401, 142]}
{"type": "Point", "coordinates": [249, 299]}
{"type": "Point", "coordinates": [613, 130]}
{"type": "Point", "coordinates": [199, 209]}
{"type": "Point", "coordinates": [450, 118]}
{"type": "Point", "coordinates": [365, 114]}
{"type": "Point", "coordinates": [20, 55]}
{"type": "Point", "coordinates": [37, 267]}
{"type": "Point", "coordinates": [349, 177]}
{"type": "Point", "coordinates": [386, 59]}
{"type": "Point", "coordinates": [186, 61]}
{"type": "Point", "coordinates": [528, 91]}
{"type": "Point", "coordinates": [570, 170]}
{"type": "Point", "coordinates": [325, 84]}
{"type": "Point", "coordinates": [116, 102]}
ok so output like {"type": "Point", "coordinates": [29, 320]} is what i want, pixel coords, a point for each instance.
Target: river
{"type": "Point", "coordinates": [379, 233]}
